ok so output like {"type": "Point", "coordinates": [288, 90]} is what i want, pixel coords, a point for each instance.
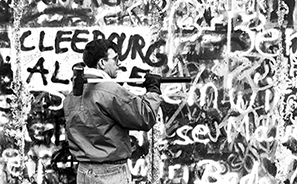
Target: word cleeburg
{"type": "Point", "coordinates": [136, 44]}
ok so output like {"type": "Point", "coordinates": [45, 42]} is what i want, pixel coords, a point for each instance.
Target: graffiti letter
{"type": "Point", "coordinates": [120, 45]}
{"type": "Point", "coordinates": [38, 68]}
{"type": "Point", "coordinates": [263, 38]}
{"type": "Point", "coordinates": [162, 58]}
{"type": "Point", "coordinates": [138, 45]}
{"type": "Point", "coordinates": [59, 39]}
{"type": "Point", "coordinates": [41, 46]}
{"type": "Point", "coordinates": [182, 133]}
{"type": "Point", "coordinates": [54, 77]}
{"type": "Point", "coordinates": [172, 90]}
{"type": "Point", "coordinates": [140, 167]}
{"type": "Point", "coordinates": [22, 40]}
{"type": "Point", "coordinates": [76, 39]}
{"type": "Point", "coordinates": [212, 170]}
{"type": "Point", "coordinates": [96, 35]}
{"type": "Point", "coordinates": [198, 131]}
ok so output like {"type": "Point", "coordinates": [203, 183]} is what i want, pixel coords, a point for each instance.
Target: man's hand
{"type": "Point", "coordinates": [152, 83]}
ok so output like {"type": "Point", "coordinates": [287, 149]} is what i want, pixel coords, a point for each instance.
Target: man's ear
{"type": "Point", "coordinates": [101, 64]}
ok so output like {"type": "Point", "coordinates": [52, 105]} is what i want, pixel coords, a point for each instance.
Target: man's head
{"type": "Point", "coordinates": [102, 54]}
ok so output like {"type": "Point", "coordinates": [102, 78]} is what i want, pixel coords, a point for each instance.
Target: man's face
{"type": "Point", "coordinates": [112, 63]}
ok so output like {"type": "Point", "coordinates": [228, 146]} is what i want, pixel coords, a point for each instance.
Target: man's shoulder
{"type": "Point", "coordinates": [109, 87]}
{"type": "Point", "coordinates": [114, 89]}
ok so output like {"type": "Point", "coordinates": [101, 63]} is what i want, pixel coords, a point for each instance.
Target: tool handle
{"type": "Point", "coordinates": [175, 79]}
{"type": "Point", "coordinates": [141, 80]}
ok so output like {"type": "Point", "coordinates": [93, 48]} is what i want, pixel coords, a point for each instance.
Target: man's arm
{"type": "Point", "coordinates": [138, 112]}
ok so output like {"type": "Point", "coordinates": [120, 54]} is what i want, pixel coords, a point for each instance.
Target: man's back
{"type": "Point", "coordinates": [98, 121]}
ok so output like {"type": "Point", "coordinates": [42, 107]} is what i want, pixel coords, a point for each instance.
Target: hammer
{"type": "Point", "coordinates": [79, 80]}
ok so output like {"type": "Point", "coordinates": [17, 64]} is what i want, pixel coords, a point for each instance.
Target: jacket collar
{"type": "Point", "coordinates": [95, 73]}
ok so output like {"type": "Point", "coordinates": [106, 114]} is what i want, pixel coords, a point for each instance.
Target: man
{"type": "Point", "coordinates": [99, 120]}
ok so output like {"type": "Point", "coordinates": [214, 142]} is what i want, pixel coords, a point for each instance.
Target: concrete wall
{"type": "Point", "coordinates": [234, 123]}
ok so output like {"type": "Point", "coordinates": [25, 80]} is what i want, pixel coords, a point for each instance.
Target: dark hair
{"type": "Point", "coordinates": [97, 49]}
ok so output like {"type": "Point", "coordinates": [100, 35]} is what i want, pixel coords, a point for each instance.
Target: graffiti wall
{"type": "Point", "coordinates": [235, 122]}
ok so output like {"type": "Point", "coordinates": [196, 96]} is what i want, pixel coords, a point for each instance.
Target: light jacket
{"type": "Point", "coordinates": [98, 121]}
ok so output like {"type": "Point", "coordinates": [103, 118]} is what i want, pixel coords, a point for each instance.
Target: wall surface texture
{"type": "Point", "coordinates": [234, 123]}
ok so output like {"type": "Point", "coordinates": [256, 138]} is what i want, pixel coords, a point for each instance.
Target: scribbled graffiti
{"type": "Point", "coordinates": [88, 13]}
{"type": "Point", "coordinates": [9, 135]}
{"type": "Point", "coordinates": [234, 123]}
{"type": "Point", "coordinates": [4, 39]}
{"type": "Point", "coordinates": [227, 119]}
{"type": "Point", "coordinates": [49, 160]}
{"type": "Point", "coordinates": [6, 12]}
